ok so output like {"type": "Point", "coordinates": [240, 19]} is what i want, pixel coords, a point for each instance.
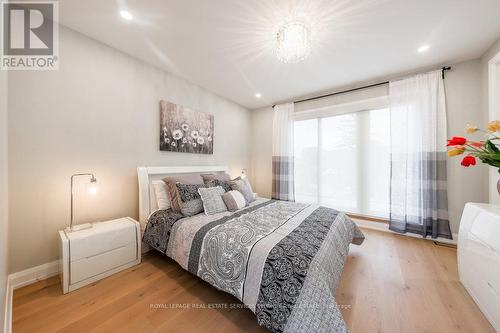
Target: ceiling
{"type": "Point", "coordinates": [227, 46]}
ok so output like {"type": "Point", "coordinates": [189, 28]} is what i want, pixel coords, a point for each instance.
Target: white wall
{"type": "Point", "coordinates": [463, 88]}
{"type": "Point", "coordinates": [3, 194]}
{"type": "Point", "coordinates": [99, 112]}
{"type": "Point", "coordinates": [464, 104]}
{"type": "Point", "coordinates": [262, 150]}
{"type": "Point", "coordinates": [494, 197]}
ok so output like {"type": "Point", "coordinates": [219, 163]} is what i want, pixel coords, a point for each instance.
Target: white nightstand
{"type": "Point", "coordinates": [88, 255]}
{"type": "Point", "coordinates": [479, 257]}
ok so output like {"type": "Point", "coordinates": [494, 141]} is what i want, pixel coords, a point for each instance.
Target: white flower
{"type": "Point", "coordinates": [209, 139]}
{"type": "Point", "coordinates": [173, 144]}
{"type": "Point", "coordinates": [200, 140]}
{"type": "Point", "coordinates": [185, 127]}
{"type": "Point", "coordinates": [194, 144]}
{"type": "Point", "coordinates": [167, 140]}
{"type": "Point", "coordinates": [164, 130]}
{"type": "Point", "coordinates": [177, 134]}
{"type": "Point", "coordinates": [184, 140]}
{"type": "Point", "coordinates": [194, 134]}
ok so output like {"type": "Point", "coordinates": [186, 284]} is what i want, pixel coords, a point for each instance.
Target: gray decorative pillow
{"type": "Point", "coordinates": [215, 182]}
{"type": "Point", "coordinates": [188, 192]}
{"type": "Point", "coordinates": [192, 207]}
{"type": "Point", "coordinates": [224, 176]}
{"type": "Point", "coordinates": [212, 199]}
{"type": "Point", "coordinates": [249, 185]}
{"type": "Point", "coordinates": [246, 182]}
{"type": "Point", "coordinates": [245, 189]}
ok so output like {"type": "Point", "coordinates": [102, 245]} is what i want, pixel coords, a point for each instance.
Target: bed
{"type": "Point", "coordinates": [282, 259]}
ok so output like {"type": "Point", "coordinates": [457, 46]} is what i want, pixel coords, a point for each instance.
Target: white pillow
{"type": "Point", "coordinates": [161, 194]}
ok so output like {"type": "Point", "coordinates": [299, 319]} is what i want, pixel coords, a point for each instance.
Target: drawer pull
{"type": "Point", "coordinates": [104, 252]}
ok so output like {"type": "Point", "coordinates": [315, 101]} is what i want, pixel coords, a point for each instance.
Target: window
{"type": "Point", "coordinates": [343, 162]}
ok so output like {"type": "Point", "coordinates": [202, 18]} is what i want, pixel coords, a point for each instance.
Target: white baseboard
{"type": "Point", "coordinates": [24, 278]}
{"type": "Point", "coordinates": [385, 228]}
{"type": "Point", "coordinates": [34, 274]}
{"type": "Point", "coordinates": [9, 291]}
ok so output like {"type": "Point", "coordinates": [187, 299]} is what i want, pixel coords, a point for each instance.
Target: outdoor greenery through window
{"type": "Point", "coordinates": [343, 162]}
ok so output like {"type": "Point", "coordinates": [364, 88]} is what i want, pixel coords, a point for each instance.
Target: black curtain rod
{"type": "Point", "coordinates": [355, 89]}
{"type": "Point", "coordinates": [342, 92]}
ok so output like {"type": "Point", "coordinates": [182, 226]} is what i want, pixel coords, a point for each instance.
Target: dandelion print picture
{"type": "Point", "coordinates": [184, 130]}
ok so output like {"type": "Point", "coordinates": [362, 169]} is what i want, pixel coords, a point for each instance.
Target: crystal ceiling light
{"type": "Point", "coordinates": [126, 15]}
{"type": "Point", "coordinates": [293, 42]}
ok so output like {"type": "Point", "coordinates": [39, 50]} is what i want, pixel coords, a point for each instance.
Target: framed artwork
{"type": "Point", "coordinates": [184, 130]}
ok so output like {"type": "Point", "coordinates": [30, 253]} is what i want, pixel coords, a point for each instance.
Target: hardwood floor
{"type": "Point", "coordinates": [391, 283]}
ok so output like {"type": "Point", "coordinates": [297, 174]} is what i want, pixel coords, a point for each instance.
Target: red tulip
{"type": "Point", "coordinates": [457, 141]}
{"type": "Point", "coordinates": [468, 161]}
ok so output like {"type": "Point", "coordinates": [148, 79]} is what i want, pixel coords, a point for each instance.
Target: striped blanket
{"type": "Point", "coordinates": [281, 259]}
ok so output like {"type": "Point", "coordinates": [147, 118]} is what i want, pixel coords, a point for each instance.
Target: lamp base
{"type": "Point", "coordinates": [79, 227]}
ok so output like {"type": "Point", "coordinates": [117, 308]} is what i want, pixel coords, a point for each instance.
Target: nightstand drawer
{"type": "Point", "coordinates": [101, 238]}
{"type": "Point", "coordinates": [91, 266]}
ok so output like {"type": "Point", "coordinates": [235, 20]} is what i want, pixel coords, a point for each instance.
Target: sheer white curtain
{"type": "Point", "coordinates": [283, 172]}
{"type": "Point", "coordinates": [343, 162]}
{"type": "Point", "coordinates": [418, 192]}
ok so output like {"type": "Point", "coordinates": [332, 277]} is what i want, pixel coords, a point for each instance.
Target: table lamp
{"type": "Point", "coordinates": [92, 191]}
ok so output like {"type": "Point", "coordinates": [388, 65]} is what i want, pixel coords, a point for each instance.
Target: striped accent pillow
{"type": "Point", "coordinates": [234, 200]}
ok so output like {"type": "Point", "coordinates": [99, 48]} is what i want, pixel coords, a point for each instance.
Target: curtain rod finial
{"type": "Point", "coordinates": [445, 68]}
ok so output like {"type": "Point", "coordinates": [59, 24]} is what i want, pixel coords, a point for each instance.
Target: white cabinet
{"type": "Point", "coordinates": [479, 257]}
{"type": "Point", "coordinates": [91, 254]}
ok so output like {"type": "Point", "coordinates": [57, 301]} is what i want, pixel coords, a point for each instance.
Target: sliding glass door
{"type": "Point", "coordinates": [343, 162]}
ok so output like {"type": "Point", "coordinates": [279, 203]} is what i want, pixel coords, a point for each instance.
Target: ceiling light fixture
{"type": "Point", "coordinates": [126, 15]}
{"type": "Point", "coordinates": [423, 48]}
{"type": "Point", "coordinates": [258, 95]}
{"type": "Point", "coordinates": [293, 41]}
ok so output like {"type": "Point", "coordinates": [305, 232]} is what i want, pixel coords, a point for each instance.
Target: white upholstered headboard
{"type": "Point", "coordinates": [146, 175]}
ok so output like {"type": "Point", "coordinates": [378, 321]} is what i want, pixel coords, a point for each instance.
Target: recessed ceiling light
{"type": "Point", "coordinates": [258, 95]}
{"type": "Point", "coordinates": [126, 15]}
{"type": "Point", "coordinates": [423, 48]}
